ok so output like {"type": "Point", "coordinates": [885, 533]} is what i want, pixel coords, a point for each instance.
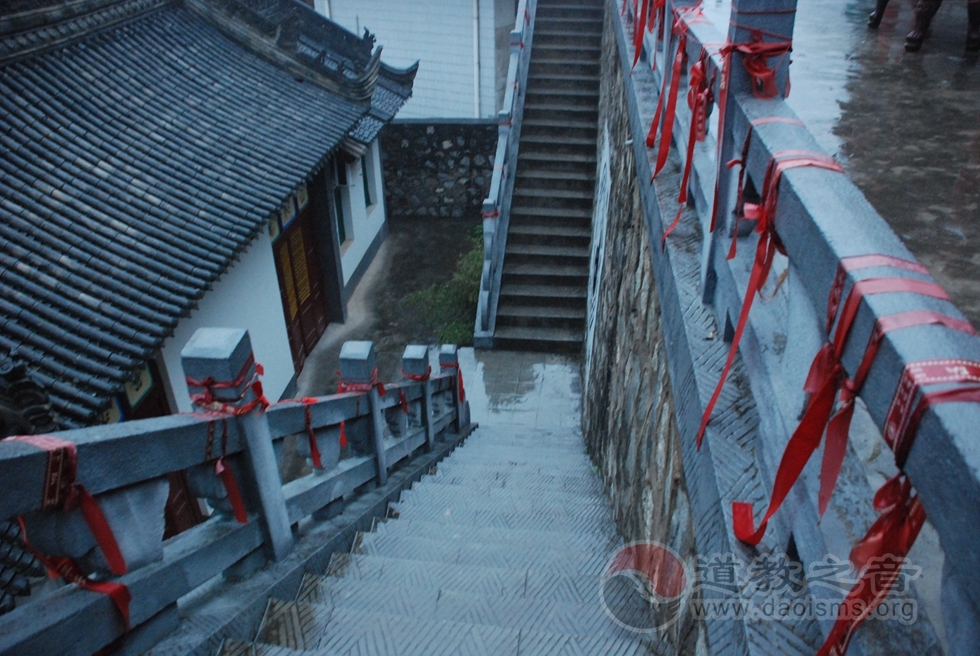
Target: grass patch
{"type": "Point", "coordinates": [449, 308]}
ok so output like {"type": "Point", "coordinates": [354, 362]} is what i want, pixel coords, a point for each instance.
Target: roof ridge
{"type": "Point", "coordinates": [33, 31]}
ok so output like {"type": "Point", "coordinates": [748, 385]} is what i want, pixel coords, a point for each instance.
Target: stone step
{"type": "Point", "coordinates": [565, 50]}
{"type": "Point", "coordinates": [543, 66]}
{"type": "Point", "coordinates": [574, 217]}
{"type": "Point", "coordinates": [551, 295]}
{"type": "Point", "coordinates": [544, 254]}
{"type": "Point", "coordinates": [544, 179]}
{"type": "Point", "coordinates": [504, 451]}
{"type": "Point", "coordinates": [544, 274]}
{"type": "Point", "coordinates": [437, 605]}
{"type": "Point", "coordinates": [521, 338]}
{"type": "Point", "coordinates": [563, 12]}
{"type": "Point", "coordinates": [532, 196]}
{"type": "Point", "coordinates": [546, 128]}
{"type": "Point", "coordinates": [437, 487]}
{"type": "Point", "coordinates": [514, 538]}
{"type": "Point", "coordinates": [367, 633]}
{"type": "Point", "coordinates": [543, 316]}
{"type": "Point", "coordinates": [557, 144]}
{"type": "Point", "coordinates": [551, 234]}
{"type": "Point", "coordinates": [569, 24]}
{"type": "Point", "coordinates": [563, 97]}
{"type": "Point", "coordinates": [534, 159]}
{"type": "Point", "coordinates": [241, 648]}
{"type": "Point", "coordinates": [547, 38]}
{"type": "Point", "coordinates": [560, 112]}
{"type": "Point", "coordinates": [453, 497]}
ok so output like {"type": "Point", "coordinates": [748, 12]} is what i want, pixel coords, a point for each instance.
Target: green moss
{"type": "Point", "coordinates": [449, 308]}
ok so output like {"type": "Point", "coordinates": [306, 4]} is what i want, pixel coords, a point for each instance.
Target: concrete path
{"type": "Point", "coordinates": [500, 550]}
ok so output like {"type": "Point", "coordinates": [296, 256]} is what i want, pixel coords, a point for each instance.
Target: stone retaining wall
{"type": "Point", "coordinates": [628, 416]}
{"type": "Point", "coordinates": [438, 169]}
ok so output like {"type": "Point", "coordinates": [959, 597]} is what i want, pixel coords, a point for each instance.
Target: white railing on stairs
{"type": "Point", "coordinates": [496, 207]}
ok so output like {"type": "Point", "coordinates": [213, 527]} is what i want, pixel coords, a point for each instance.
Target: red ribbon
{"type": "Point", "coordinates": [766, 249]}
{"type": "Point", "coordinates": [208, 401]}
{"type": "Point", "coordinates": [895, 531]}
{"type": "Point", "coordinates": [698, 98]}
{"type": "Point", "coordinates": [459, 377]}
{"type": "Point", "coordinates": [419, 378]}
{"type": "Point", "coordinates": [667, 129]}
{"type": "Point", "coordinates": [755, 61]}
{"type": "Point", "coordinates": [343, 386]}
{"type": "Point", "coordinates": [879, 557]}
{"type": "Point", "coordinates": [62, 492]}
{"type": "Point", "coordinates": [314, 449]}
{"type": "Point", "coordinates": [639, 25]}
{"type": "Point", "coordinates": [222, 470]}
{"type": "Point", "coordinates": [67, 569]}
{"type": "Point", "coordinates": [823, 383]}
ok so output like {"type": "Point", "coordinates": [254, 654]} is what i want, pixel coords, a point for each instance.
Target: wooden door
{"type": "Point", "coordinates": [301, 286]}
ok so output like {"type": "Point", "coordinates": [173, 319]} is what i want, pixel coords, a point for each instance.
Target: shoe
{"type": "Point", "coordinates": [925, 10]}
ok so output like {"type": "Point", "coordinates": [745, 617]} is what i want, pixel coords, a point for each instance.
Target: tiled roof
{"type": "Point", "coordinates": [136, 162]}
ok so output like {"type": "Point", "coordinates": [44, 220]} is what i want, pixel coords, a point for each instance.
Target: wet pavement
{"type": "Point", "coordinates": [906, 126]}
{"type": "Point", "coordinates": [522, 389]}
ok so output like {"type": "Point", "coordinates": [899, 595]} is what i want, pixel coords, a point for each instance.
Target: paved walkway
{"type": "Point", "coordinates": [501, 550]}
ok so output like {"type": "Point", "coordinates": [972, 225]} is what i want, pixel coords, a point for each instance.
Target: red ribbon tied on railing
{"type": "Point", "coordinates": [639, 29]}
{"type": "Point", "coordinates": [766, 248]}
{"type": "Point", "coordinates": [419, 378]}
{"type": "Point", "coordinates": [757, 52]}
{"type": "Point", "coordinates": [344, 386]}
{"type": "Point", "coordinates": [60, 491]}
{"type": "Point", "coordinates": [698, 98]}
{"type": "Point", "coordinates": [459, 377]}
{"type": "Point", "coordinates": [825, 380]}
{"type": "Point", "coordinates": [221, 469]}
{"type": "Point", "coordinates": [893, 534]}
{"type": "Point", "coordinates": [308, 402]}
{"type": "Point", "coordinates": [206, 399]}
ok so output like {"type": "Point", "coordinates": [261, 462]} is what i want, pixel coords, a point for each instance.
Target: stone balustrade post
{"type": "Point", "coordinates": [415, 362]}
{"type": "Point", "coordinates": [221, 354]}
{"type": "Point", "coordinates": [449, 363]}
{"type": "Point", "coordinates": [358, 366]}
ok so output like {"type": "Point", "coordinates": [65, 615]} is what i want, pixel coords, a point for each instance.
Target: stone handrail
{"type": "Point", "coordinates": [124, 466]}
{"type": "Point", "coordinates": [496, 207]}
{"type": "Point", "coordinates": [821, 218]}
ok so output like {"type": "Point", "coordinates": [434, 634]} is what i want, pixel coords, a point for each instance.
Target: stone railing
{"type": "Point", "coordinates": [496, 207]}
{"type": "Point", "coordinates": [124, 468]}
{"type": "Point", "coordinates": [814, 246]}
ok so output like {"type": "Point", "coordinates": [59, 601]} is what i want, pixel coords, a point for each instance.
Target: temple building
{"type": "Point", "coordinates": [166, 165]}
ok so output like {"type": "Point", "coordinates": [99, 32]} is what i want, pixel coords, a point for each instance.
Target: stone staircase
{"type": "Point", "coordinates": [501, 550]}
{"type": "Point", "coordinates": [546, 263]}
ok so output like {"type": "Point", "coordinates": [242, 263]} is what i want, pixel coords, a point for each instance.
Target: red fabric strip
{"type": "Point", "coordinates": [314, 449]}
{"type": "Point", "coordinates": [403, 401]}
{"type": "Point", "coordinates": [67, 569]}
{"type": "Point", "coordinates": [639, 28]}
{"type": "Point", "coordinates": [856, 263]}
{"type": "Point", "coordinates": [419, 378]}
{"type": "Point", "coordinates": [60, 491]}
{"type": "Point", "coordinates": [227, 477]}
{"type": "Point", "coordinates": [667, 130]}
{"type": "Point", "coordinates": [879, 557]}
{"type": "Point", "coordinates": [459, 377]}
{"type": "Point", "coordinates": [207, 400]}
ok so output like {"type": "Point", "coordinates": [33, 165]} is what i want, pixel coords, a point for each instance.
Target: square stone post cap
{"type": "Point", "coordinates": [219, 354]}
{"type": "Point", "coordinates": [357, 362]}
{"type": "Point", "coordinates": [415, 360]}
{"type": "Point", "coordinates": [448, 354]}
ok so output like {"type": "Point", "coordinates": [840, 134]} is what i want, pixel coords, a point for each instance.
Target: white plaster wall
{"type": "Point", "coordinates": [438, 34]}
{"type": "Point", "coordinates": [367, 222]}
{"type": "Point", "coordinates": [246, 296]}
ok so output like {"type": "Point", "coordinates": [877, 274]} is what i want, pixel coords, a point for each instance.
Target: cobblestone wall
{"type": "Point", "coordinates": [628, 407]}
{"type": "Point", "coordinates": [438, 169]}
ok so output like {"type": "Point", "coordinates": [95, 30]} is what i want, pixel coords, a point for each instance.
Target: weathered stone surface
{"type": "Point", "coordinates": [439, 170]}
{"type": "Point", "coordinates": [628, 415]}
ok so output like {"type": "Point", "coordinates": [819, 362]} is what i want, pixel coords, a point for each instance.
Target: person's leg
{"type": "Point", "coordinates": [924, 12]}
{"type": "Point", "coordinates": [973, 30]}
{"type": "Point", "coordinates": [874, 20]}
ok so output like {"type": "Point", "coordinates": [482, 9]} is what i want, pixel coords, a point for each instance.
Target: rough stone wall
{"type": "Point", "coordinates": [628, 407]}
{"type": "Point", "coordinates": [437, 169]}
